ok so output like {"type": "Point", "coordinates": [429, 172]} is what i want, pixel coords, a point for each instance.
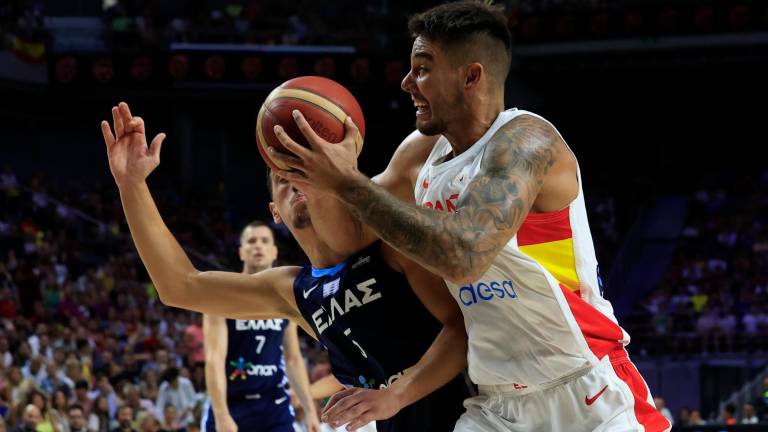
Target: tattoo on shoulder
{"type": "Point", "coordinates": [517, 159]}
{"type": "Point", "coordinates": [491, 209]}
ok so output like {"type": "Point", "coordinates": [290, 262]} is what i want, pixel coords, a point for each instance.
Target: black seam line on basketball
{"type": "Point", "coordinates": [318, 106]}
{"type": "Point", "coordinates": [358, 143]}
{"type": "Point", "coordinates": [314, 92]}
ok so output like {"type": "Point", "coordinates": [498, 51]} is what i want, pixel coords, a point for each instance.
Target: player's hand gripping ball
{"type": "Point", "coordinates": [323, 102]}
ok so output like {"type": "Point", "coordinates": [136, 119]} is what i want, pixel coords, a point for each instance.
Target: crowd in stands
{"type": "Point", "coordinates": [146, 25]}
{"type": "Point", "coordinates": [84, 342]}
{"type": "Point", "coordinates": [755, 411]}
{"type": "Point", "coordinates": [713, 297]}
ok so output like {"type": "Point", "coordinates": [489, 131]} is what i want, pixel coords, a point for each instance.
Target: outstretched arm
{"type": "Point", "coordinates": [264, 295]}
{"type": "Point", "coordinates": [297, 375]}
{"type": "Point", "coordinates": [460, 245]}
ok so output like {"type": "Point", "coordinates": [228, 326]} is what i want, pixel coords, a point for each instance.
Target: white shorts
{"type": "Point", "coordinates": [370, 427]}
{"type": "Point", "coordinates": [611, 396]}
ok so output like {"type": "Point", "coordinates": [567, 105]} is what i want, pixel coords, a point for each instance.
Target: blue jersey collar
{"type": "Point", "coordinates": [328, 271]}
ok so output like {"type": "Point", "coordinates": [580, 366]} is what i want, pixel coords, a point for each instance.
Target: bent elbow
{"type": "Point", "coordinates": [165, 295]}
{"type": "Point", "coordinates": [466, 265]}
{"type": "Point", "coordinates": [464, 274]}
{"type": "Point", "coordinates": [180, 292]}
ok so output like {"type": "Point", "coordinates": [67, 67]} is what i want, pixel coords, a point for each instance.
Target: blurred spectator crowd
{"type": "Point", "coordinates": [133, 25]}
{"type": "Point", "coordinates": [85, 345]}
{"type": "Point", "coordinates": [714, 295]}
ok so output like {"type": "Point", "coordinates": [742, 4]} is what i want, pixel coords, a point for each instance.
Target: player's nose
{"type": "Point", "coordinates": [406, 83]}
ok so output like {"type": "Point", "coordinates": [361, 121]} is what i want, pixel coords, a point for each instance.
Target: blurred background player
{"type": "Point", "coordinates": [249, 362]}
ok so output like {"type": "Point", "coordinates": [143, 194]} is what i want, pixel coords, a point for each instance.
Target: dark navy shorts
{"type": "Point", "coordinates": [265, 414]}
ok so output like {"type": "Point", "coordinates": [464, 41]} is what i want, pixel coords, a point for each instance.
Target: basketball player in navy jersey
{"type": "Point", "coordinates": [374, 310]}
{"type": "Point", "coordinates": [249, 361]}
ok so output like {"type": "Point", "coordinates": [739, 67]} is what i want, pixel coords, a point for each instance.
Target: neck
{"type": "Point", "coordinates": [253, 269]}
{"type": "Point", "coordinates": [475, 122]}
{"type": "Point", "coordinates": [319, 254]}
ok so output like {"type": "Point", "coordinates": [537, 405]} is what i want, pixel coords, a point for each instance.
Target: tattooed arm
{"type": "Point", "coordinates": [458, 246]}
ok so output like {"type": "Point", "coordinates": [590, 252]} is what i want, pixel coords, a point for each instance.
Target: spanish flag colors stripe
{"type": "Point", "coordinates": [547, 238]}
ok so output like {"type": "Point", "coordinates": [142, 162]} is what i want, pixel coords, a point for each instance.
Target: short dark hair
{"type": "Point", "coordinates": [170, 374]}
{"type": "Point", "coordinates": [76, 407]}
{"type": "Point", "coordinates": [253, 224]}
{"type": "Point", "coordinates": [478, 23]}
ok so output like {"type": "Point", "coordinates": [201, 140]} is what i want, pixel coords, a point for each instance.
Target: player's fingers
{"type": "Point", "coordinates": [337, 396]}
{"type": "Point", "coordinates": [125, 110]}
{"type": "Point", "coordinates": [157, 143]}
{"type": "Point", "coordinates": [340, 412]}
{"type": "Point", "coordinates": [350, 128]}
{"type": "Point", "coordinates": [293, 176]}
{"type": "Point", "coordinates": [137, 125]}
{"type": "Point", "coordinates": [132, 125]}
{"type": "Point", "coordinates": [118, 123]}
{"type": "Point", "coordinates": [306, 130]}
{"type": "Point", "coordinates": [352, 134]}
{"type": "Point", "coordinates": [287, 159]}
{"type": "Point", "coordinates": [125, 113]}
{"type": "Point", "coordinates": [289, 144]}
{"type": "Point", "coordinates": [106, 131]}
{"type": "Point", "coordinates": [348, 415]}
{"type": "Point", "coordinates": [360, 421]}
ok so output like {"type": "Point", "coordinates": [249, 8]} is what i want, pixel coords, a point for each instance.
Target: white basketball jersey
{"type": "Point", "coordinates": [537, 315]}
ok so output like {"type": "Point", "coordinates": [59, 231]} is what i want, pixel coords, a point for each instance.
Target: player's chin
{"type": "Point", "coordinates": [429, 127]}
{"type": "Point", "coordinates": [301, 218]}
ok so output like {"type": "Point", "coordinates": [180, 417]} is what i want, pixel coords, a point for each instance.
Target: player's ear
{"type": "Point", "coordinates": [275, 215]}
{"type": "Point", "coordinates": [473, 73]}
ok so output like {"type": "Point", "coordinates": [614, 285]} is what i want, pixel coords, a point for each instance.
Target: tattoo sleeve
{"type": "Point", "coordinates": [461, 245]}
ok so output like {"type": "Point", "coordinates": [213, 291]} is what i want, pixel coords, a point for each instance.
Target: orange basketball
{"type": "Point", "coordinates": [323, 102]}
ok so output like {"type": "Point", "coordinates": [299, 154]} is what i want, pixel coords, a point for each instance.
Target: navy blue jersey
{"type": "Point", "coordinates": [374, 327]}
{"type": "Point", "coordinates": [255, 357]}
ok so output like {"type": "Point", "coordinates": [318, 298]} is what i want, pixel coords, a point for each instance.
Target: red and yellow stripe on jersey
{"type": "Point", "coordinates": [547, 238]}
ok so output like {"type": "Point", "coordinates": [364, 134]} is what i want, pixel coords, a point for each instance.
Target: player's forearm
{"type": "Point", "coordinates": [297, 375]}
{"type": "Point", "coordinates": [165, 260]}
{"type": "Point", "coordinates": [216, 382]}
{"type": "Point", "coordinates": [445, 358]}
{"type": "Point", "coordinates": [446, 243]}
{"type": "Point", "coordinates": [325, 387]}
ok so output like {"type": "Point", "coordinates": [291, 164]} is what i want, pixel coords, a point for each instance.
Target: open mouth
{"type": "Point", "coordinates": [422, 109]}
{"type": "Point", "coordinates": [299, 197]}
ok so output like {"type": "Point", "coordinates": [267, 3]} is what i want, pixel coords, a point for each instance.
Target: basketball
{"type": "Point", "coordinates": [323, 102]}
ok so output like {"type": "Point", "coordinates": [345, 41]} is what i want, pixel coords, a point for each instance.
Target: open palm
{"type": "Point", "coordinates": [130, 159]}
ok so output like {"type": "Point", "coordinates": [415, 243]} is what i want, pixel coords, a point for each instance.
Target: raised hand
{"type": "Point", "coordinates": [130, 159]}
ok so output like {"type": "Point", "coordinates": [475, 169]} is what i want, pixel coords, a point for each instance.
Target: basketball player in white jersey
{"type": "Point", "coordinates": [499, 212]}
